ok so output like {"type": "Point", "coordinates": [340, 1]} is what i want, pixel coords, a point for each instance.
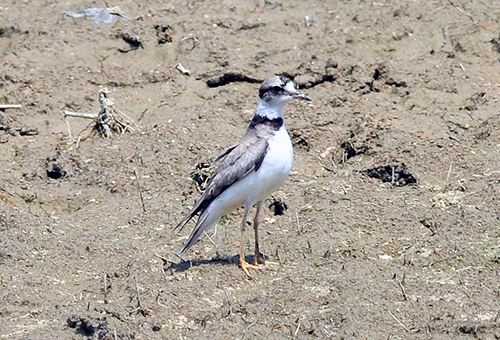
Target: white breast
{"type": "Point", "coordinates": [276, 165]}
{"type": "Point", "coordinates": [256, 186]}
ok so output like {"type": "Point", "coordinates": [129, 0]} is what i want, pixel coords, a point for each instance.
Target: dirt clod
{"type": "Point", "coordinates": [88, 326]}
{"type": "Point", "coordinates": [299, 140]}
{"type": "Point", "coordinates": [201, 175]}
{"type": "Point", "coordinates": [397, 174]}
{"type": "Point", "coordinates": [430, 224]}
{"type": "Point", "coordinates": [224, 78]}
{"type": "Point", "coordinates": [163, 33]}
{"type": "Point", "coordinates": [133, 41]}
{"type": "Point", "coordinates": [278, 207]}
{"type": "Point", "coordinates": [475, 101]}
{"type": "Point", "coordinates": [7, 32]}
{"type": "Point", "coordinates": [58, 166]}
{"type": "Point", "coordinates": [468, 330]}
{"type": "Point", "coordinates": [352, 150]}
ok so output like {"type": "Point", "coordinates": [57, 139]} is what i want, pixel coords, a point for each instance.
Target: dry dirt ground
{"type": "Point", "coordinates": [388, 227]}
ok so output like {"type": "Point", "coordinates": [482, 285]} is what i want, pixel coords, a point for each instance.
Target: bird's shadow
{"type": "Point", "coordinates": [226, 261]}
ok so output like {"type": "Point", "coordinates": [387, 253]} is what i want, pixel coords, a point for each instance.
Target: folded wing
{"type": "Point", "coordinates": [235, 163]}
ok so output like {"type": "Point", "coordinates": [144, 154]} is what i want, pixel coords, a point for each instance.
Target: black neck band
{"type": "Point", "coordinates": [275, 123]}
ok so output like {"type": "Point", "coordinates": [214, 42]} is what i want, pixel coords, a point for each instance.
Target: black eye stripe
{"type": "Point", "coordinates": [284, 80]}
{"type": "Point", "coordinates": [276, 89]}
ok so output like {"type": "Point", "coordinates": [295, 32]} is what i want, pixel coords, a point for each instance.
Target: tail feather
{"type": "Point", "coordinates": [184, 221]}
{"type": "Point", "coordinates": [205, 222]}
{"type": "Point", "coordinates": [201, 205]}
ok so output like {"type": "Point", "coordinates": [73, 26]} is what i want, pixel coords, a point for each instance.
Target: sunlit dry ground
{"type": "Point", "coordinates": [403, 92]}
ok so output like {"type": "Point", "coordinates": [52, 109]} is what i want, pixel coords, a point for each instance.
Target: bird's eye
{"type": "Point", "coordinates": [277, 88]}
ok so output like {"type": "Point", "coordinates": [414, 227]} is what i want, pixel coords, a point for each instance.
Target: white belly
{"type": "Point", "coordinates": [258, 185]}
{"type": "Point", "coordinates": [276, 165]}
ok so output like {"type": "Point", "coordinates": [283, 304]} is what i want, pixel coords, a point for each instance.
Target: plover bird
{"type": "Point", "coordinates": [250, 170]}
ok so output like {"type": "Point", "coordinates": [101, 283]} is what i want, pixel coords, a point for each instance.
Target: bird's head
{"type": "Point", "coordinates": [279, 90]}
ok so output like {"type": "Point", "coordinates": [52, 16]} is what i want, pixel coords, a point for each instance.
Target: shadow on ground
{"type": "Point", "coordinates": [185, 265]}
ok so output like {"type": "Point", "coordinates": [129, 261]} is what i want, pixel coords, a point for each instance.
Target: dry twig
{"type": "Point", "coordinates": [400, 323]}
{"type": "Point", "coordinates": [400, 284]}
{"type": "Point", "coordinates": [228, 301]}
{"type": "Point", "coordinates": [139, 307]}
{"type": "Point", "coordinates": [109, 120]}
{"type": "Point", "coordinates": [80, 115]}
{"type": "Point", "coordinates": [461, 10]}
{"type": "Point", "coordinates": [10, 106]}
{"type": "Point", "coordinates": [105, 289]}
{"type": "Point", "coordinates": [447, 177]}
{"type": "Point", "coordinates": [140, 190]}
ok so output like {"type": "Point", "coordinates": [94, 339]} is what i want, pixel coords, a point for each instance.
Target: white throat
{"type": "Point", "coordinates": [270, 110]}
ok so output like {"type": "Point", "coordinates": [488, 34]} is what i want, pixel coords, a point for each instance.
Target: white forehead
{"type": "Point", "coordinates": [290, 86]}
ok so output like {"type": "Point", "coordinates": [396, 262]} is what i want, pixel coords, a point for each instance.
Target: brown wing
{"type": "Point", "coordinates": [236, 162]}
{"type": "Point", "coordinates": [224, 153]}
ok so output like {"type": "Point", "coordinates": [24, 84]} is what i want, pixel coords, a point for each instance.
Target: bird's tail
{"type": "Point", "coordinates": [206, 221]}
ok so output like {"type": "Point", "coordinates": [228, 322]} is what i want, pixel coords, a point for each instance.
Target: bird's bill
{"type": "Point", "coordinates": [303, 96]}
{"type": "Point", "coordinates": [290, 88]}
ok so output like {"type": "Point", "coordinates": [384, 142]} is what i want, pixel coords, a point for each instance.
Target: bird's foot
{"type": "Point", "coordinates": [268, 263]}
{"type": "Point", "coordinates": [259, 260]}
{"type": "Point", "coordinates": [245, 266]}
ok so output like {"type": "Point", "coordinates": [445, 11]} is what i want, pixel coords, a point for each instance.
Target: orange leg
{"type": "Point", "coordinates": [259, 259]}
{"type": "Point", "coordinates": [243, 263]}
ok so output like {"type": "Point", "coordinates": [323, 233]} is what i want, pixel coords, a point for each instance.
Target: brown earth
{"type": "Point", "coordinates": [404, 92]}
